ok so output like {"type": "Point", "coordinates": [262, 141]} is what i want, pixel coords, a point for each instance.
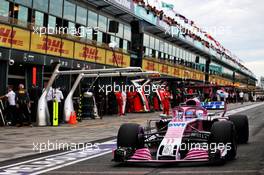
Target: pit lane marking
{"type": "Point", "coordinates": [212, 172]}
{"type": "Point", "coordinates": [60, 160]}
{"type": "Point", "coordinates": [56, 161]}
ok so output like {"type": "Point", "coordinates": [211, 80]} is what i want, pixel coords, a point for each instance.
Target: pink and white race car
{"type": "Point", "coordinates": [192, 134]}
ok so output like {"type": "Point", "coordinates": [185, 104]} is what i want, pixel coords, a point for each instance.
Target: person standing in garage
{"type": "Point", "coordinates": [23, 105]}
{"type": "Point", "coordinates": [11, 108]}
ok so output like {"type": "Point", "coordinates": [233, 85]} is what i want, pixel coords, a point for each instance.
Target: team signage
{"type": "Point", "coordinates": [17, 38]}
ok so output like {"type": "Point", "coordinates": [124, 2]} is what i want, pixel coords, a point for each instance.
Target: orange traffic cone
{"type": "Point", "coordinates": [72, 120]}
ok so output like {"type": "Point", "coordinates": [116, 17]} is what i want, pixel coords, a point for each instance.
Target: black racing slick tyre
{"type": "Point", "coordinates": [242, 128]}
{"type": "Point", "coordinates": [222, 133]}
{"type": "Point", "coordinates": [130, 135]}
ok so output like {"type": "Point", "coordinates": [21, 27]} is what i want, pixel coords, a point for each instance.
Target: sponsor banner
{"type": "Point", "coordinates": [20, 39]}
{"type": "Point", "coordinates": [6, 35]}
{"type": "Point", "coordinates": [86, 52]}
{"type": "Point", "coordinates": [79, 51]}
{"type": "Point", "coordinates": [175, 72]}
{"type": "Point", "coordinates": [90, 53]}
{"type": "Point", "coordinates": [149, 65]}
{"type": "Point", "coordinates": [181, 73]}
{"type": "Point", "coordinates": [142, 13]}
{"type": "Point", "coordinates": [195, 76]}
{"type": "Point", "coordinates": [54, 46]}
{"type": "Point", "coordinates": [170, 70]}
{"type": "Point", "coordinates": [186, 74]}
{"type": "Point", "coordinates": [68, 49]}
{"type": "Point", "coordinates": [38, 43]}
{"type": "Point", "coordinates": [125, 4]}
{"type": "Point", "coordinates": [164, 69]}
{"type": "Point", "coordinates": [126, 60]}
{"type": "Point", "coordinates": [100, 56]}
{"type": "Point", "coordinates": [114, 58]}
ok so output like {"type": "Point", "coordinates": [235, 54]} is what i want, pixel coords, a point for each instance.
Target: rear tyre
{"type": "Point", "coordinates": [242, 129]}
{"type": "Point", "coordinates": [222, 133]}
{"type": "Point", "coordinates": [130, 135]}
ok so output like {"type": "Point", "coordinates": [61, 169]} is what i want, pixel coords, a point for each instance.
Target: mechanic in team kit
{"type": "Point", "coordinates": [166, 101]}
{"type": "Point", "coordinates": [23, 106]}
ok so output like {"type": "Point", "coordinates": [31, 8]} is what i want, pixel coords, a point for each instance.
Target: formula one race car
{"type": "Point", "coordinates": [191, 134]}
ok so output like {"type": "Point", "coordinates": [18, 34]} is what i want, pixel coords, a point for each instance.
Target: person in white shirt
{"type": "Point", "coordinates": [58, 95]}
{"type": "Point", "coordinates": [241, 97]}
{"type": "Point", "coordinates": [226, 97]}
{"type": "Point", "coordinates": [11, 108]}
{"type": "Point", "coordinates": [50, 95]}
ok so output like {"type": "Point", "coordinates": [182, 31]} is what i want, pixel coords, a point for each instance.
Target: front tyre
{"type": "Point", "coordinates": [129, 138]}
{"type": "Point", "coordinates": [222, 133]}
{"type": "Point", "coordinates": [130, 135]}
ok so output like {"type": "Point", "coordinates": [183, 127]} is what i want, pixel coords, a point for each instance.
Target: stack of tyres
{"type": "Point", "coordinates": [78, 107]}
{"type": "Point", "coordinates": [87, 107]}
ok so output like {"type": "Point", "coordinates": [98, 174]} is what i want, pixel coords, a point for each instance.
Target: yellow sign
{"type": "Point", "coordinates": [85, 52]}
{"type": "Point", "coordinates": [114, 58]}
{"type": "Point", "coordinates": [90, 53]}
{"type": "Point", "coordinates": [150, 65]}
{"type": "Point", "coordinates": [54, 46]}
{"type": "Point", "coordinates": [20, 39]}
{"type": "Point", "coordinates": [38, 43]}
{"type": "Point", "coordinates": [100, 56]}
{"type": "Point", "coordinates": [170, 71]}
{"type": "Point", "coordinates": [78, 51]}
{"type": "Point", "coordinates": [176, 72]}
{"type": "Point", "coordinates": [67, 49]}
{"type": "Point", "coordinates": [164, 69]}
{"type": "Point", "coordinates": [126, 61]}
{"type": "Point", "coordinates": [5, 35]}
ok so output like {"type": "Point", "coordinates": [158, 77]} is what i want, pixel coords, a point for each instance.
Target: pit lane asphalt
{"type": "Point", "coordinates": [250, 158]}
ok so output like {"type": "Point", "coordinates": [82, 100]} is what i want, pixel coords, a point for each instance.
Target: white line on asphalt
{"type": "Point", "coordinates": [98, 154]}
{"type": "Point", "coordinates": [11, 165]}
{"type": "Point", "coordinates": [237, 110]}
{"type": "Point", "coordinates": [70, 163]}
{"type": "Point", "coordinates": [210, 172]}
{"type": "Point", "coordinates": [102, 172]}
